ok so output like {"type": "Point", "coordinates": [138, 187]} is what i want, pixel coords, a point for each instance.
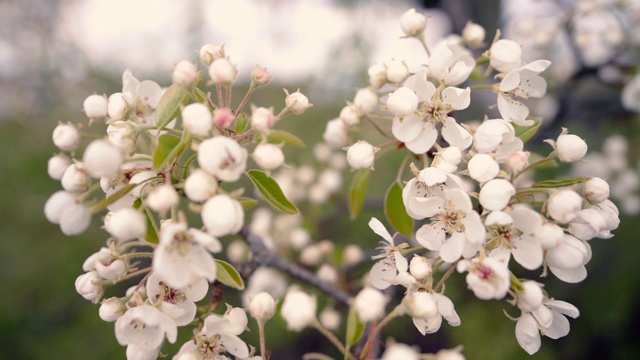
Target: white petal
{"type": "Point", "coordinates": [473, 228]}
{"type": "Point", "coordinates": [379, 229]}
{"type": "Point", "coordinates": [407, 128]}
{"type": "Point", "coordinates": [526, 220]}
{"type": "Point", "coordinates": [452, 247]}
{"type": "Point", "coordinates": [402, 265]}
{"type": "Point", "coordinates": [446, 309]}
{"type": "Point", "coordinates": [428, 325]}
{"type": "Point", "coordinates": [234, 345]}
{"type": "Point", "coordinates": [425, 139]}
{"type": "Point", "coordinates": [527, 334]}
{"type": "Point", "coordinates": [510, 81]}
{"type": "Point", "coordinates": [573, 275]}
{"type": "Point", "coordinates": [423, 88]}
{"type": "Point", "coordinates": [456, 135]}
{"type": "Point", "coordinates": [420, 208]}
{"type": "Point", "coordinates": [563, 307]}
{"type": "Point", "coordinates": [381, 274]}
{"type": "Point", "coordinates": [559, 327]}
{"type": "Point", "coordinates": [457, 98]}
{"type": "Point", "coordinates": [431, 237]}
{"type": "Point", "coordinates": [527, 251]}
{"type": "Point", "coordinates": [459, 199]}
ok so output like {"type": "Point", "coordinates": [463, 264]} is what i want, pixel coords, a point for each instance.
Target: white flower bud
{"type": "Point", "coordinates": [328, 274]}
{"type": "Point", "coordinates": [139, 178]}
{"type": "Point", "coordinates": [366, 100]}
{"type": "Point", "coordinates": [352, 255]}
{"type": "Point", "coordinates": [222, 215]}
{"type": "Point", "coordinates": [262, 306]}
{"type": "Point", "coordinates": [587, 224]}
{"type": "Point", "coordinates": [564, 205]}
{"type": "Point", "coordinates": [111, 309]}
{"type": "Point", "coordinates": [260, 75]}
{"type": "Point", "coordinates": [452, 155]}
{"type": "Point", "coordinates": [420, 267]}
{"type": "Point", "coordinates": [296, 102]}
{"type": "Point", "coordinates": [473, 34]}
{"type": "Point", "coordinates": [311, 255]}
{"type": "Point", "coordinates": [530, 298]}
{"type": "Point", "coordinates": [66, 137]}
{"type": "Point", "coordinates": [126, 224]}
{"type": "Point", "coordinates": [361, 155]}
{"type": "Point", "coordinates": [222, 72]}
{"type": "Point", "coordinates": [505, 55]}
{"type": "Point", "coordinates": [298, 309]}
{"type": "Point", "coordinates": [331, 179]}
{"type": "Point", "coordinates": [369, 304]}
{"type": "Point", "coordinates": [397, 71]}
{"type": "Point", "coordinates": [402, 102]}
{"type": "Point", "coordinates": [377, 75]}
{"type": "Point", "coordinates": [95, 106]}
{"type": "Point", "coordinates": [121, 135]}
{"type": "Point", "coordinates": [185, 74]}
{"type": "Point", "coordinates": [238, 252]}
{"type": "Point", "coordinates": [496, 194]}
{"type": "Point", "coordinates": [549, 235]}
{"type": "Point", "coordinates": [57, 165]}
{"type": "Point", "coordinates": [305, 174]}
{"type": "Point", "coordinates": [101, 158]}
{"type": "Point", "coordinates": [75, 219]}
{"type": "Point", "coordinates": [349, 115]}
{"type": "Point", "coordinates": [56, 204]}
{"type": "Point", "coordinates": [75, 179]}
{"type": "Point", "coordinates": [197, 119]}
{"type": "Point", "coordinates": [335, 133]}
{"type": "Point", "coordinates": [330, 318]}
{"type": "Point", "coordinates": [223, 158]}
{"type": "Point", "coordinates": [518, 160]}
{"type": "Point", "coordinates": [299, 238]}
{"type": "Point", "coordinates": [262, 119]}
{"type": "Point", "coordinates": [268, 156]}
{"type": "Point", "coordinates": [200, 186]}
{"type": "Point", "coordinates": [88, 285]}
{"type": "Point", "coordinates": [570, 148]}
{"type": "Point", "coordinates": [413, 23]}
{"type": "Point", "coordinates": [400, 351]}
{"type": "Point", "coordinates": [118, 105]}
{"type": "Point", "coordinates": [446, 354]}
{"type": "Point", "coordinates": [596, 190]}
{"type": "Point", "coordinates": [482, 168]}
{"type": "Point", "coordinates": [209, 52]}
{"type": "Point", "coordinates": [420, 304]}
{"type": "Point", "coordinates": [223, 117]}
{"type": "Point", "coordinates": [162, 198]}
{"type": "Point", "coordinates": [112, 270]}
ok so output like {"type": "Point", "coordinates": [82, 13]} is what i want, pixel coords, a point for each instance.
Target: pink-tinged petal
{"type": "Point", "coordinates": [559, 327]}
{"type": "Point", "coordinates": [563, 307]}
{"type": "Point", "coordinates": [234, 346]}
{"type": "Point", "coordinates": [527, 334]}
{"type": "Point", "coordinates": [402, 265]}
{"type": "Point", "coordinates": [425, 139]}
{"type": "Point", "coordinates": [408, 128]}
{"type": "Point", "coordinates": [473, 228]}
{"type": "Point", "coordinates": [382, 274]}
{"type": "Point", "coordinates": [452, 247]}
{"type": "Point", "coordinates": [447, 310]}
{"type": "Point", "coordinates": [527, 251]}
{"type": "Point", "coordinates": [457, 98]}
{"type": "Point", "coordinates": [456, 135]}
{"type": "Point", "coordinates": [431, 237]}
{"type": "Point", "coordinates": [420, 208]}
{"type": "Point", "coordinates": [572, 276]}
{"type": "Point", "coordinates": [526, 220]}
{"type": "Point", "coordinates": [379, 229]}
{"type": "Point", "coordinates": [423, 88]}
{"type": "Point", "coordinates": [428, 325]}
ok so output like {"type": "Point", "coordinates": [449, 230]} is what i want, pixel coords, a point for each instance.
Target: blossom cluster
{"type": "Point", "coordinates": [168, 167]}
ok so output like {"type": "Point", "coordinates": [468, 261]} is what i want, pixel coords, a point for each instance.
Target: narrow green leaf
{"type": "Point", "coordinates": [228, 275]}
{"type": "Point", "coordinates": [358, 192]}
{"type": "Point", "coordinates": [166, 145]}
{"type": "Point", "coordinates": [281, 136]}
{"type": "Point", "coordinates": [152, 235]}
{"type": "Point", "coordinates": [525, 133]}
{"type": "Point", "coordinates": [247, 203]}
{"type": "Point", "coordinates": [560, 183]}
{"type": "Point", "coordinates": [355, 328]}
{"type": "Point", "coordinates": [202, 97]}
{"type": "Point", "coordinates": [241, 123]}
{"type": "Point", "coordinates": [395, 211]}
{"type": "Point", "coordinates": [169, 105]}
{"type": "Point", "coordinates": [271, 191]}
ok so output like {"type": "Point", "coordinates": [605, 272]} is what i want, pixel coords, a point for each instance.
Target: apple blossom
{"type": "Point", "coordinates": [222, 215]}
{"type": "Point", "coordinates": [223, 117]}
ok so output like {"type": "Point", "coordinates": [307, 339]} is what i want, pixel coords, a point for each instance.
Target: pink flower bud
{"type": "Point", "coordinates": [209, 52]}
{"type": "Point", "coordinates": [223, 117]}
{"type": "Point", "coordinates": [185, 74]}
{"type": "Point", "coordinates": [518, 160]}
{"type": "Point", "coordinates": [222, 72]}
{"type": "Point", "coordinates": [262, 119]}
{"type": "Point", "coordinates": [260, 76]}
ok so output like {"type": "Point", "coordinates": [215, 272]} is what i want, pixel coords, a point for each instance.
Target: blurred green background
{"type": "Point", "coordinates": [46, 74]}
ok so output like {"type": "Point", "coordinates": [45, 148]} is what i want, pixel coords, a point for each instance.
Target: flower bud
{"type": "Point", "coordinates": [361, 155]}
{"type": "Point", "coordinates": [596, 190]}
{"type": "Point", "coordinates": [185, 74]}
{"type": "Point", "coordinates": [121, 135]}
{"type": "Point", "coordinates": [496, 194]}
{"type": "Point", "coordinates": [223, 117]}
{"type": "Point", "coordinates": [335, 133]}
{"type": "Point", "coordinates": [75, 219]}
{"type": "Point", "coordinates": [549, 235]}
{"type": "Point", "coordinates": [238, 252]}
{"type": "Point", "coordinates": [402, 102]}
{"type": "Point", "coordinates": [366, 100]}
{"type": "Point", "coordinates": [420, 267]}
{"type": "Point", "coordinates": [352, 255]}
{"type": "Point", "coordinates": [57, 165]}
{"type": "Point", "coordinates": [75, 179]}
{"type": "Point", "coordinates": [505, 55]}
{"type": "Point", "coordinates": [56, 204]}
{"type": "Point", "coordinates": [311, 255]}
{"type": "Point", "coordinates": [111, 309]}
{"type": "Point", "coordinates": [452, 155]}
{"type": "Point", "coordinates": [88, 285]}
{"type": "Point", "coordinates": [397, 71]}
{"type": "Point", "coordinates": [126, 224]}
{"type": "Point", "coordinates": [587, 224]}
{"type": "Point", "coordinates": [369, 304]}
{"type": "Point", "coordinates": [349, 115]}
{"type": "Point", "coordinates": [118, 105]}
{"type": "Point", "coordinates": [260, 76]}
{"type": "Point", "coordinates": [222, 72]}
{"type": "Point", "coordinates": [330, 318]}
{"type": "Point", "coordinates": [413, 23]}
{"type": "Point", "coordinates": [518, 160]}
{"type": "Point", "coordinates": [570, 148]}
{"type": "Point", "coordinates": [420, 304]}
{"type": "Point", "coordinates": [262, 306]}
{"type": "Point", "coordinates": [299, 238]}
{"type": "Point", "coordinates": [530, 298]}
{"type": "Point", "coordinates": [473, 34]}
{"type": "Point", "coordinates": [197, 119]}
{"type": "Point", "coordinates": [298, 310]}
{"type": "Point", "coordinates": [564, 205]}
{"type": "Point", "coordinates": [223, 158]}
{"type": "Point", "coordinates": [66, 137]}
{"type": "Point", "coordinates": [222, 215]}
{"type": "Point", "coordinates": [95, 106]}
{"type": "Point", "coordinates": [209, 52]}
{"type": "Point", "coordinates": [111, 270]}
{"type": "Point", "coordinates": [200, 186]}
{"type": "Point", "coordinates": [377, 75]}
{"type": "Point", "coordinates": [482, 168]}
{"type": "Point", "coordinates": [141, 178]}
{"type": "Point", "coordinates": [328, 274]}
{"type": "Point", "coordinates": [296, 102]}
{"type": "Point", "coordinates": [162, 198]}
{"type": "Point", "coordinates": [400, 351]}
{"type": "Point", "coordinates": [262, 119]}
{"type": "Point", "coordinates": [268, 156]}
{"type": "Point", "coordinates": [101, 158]}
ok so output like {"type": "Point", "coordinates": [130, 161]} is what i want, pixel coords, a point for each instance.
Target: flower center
{"type": "Point", "coordinates": [503, 235]}
{"type": "Point", "coordinates": [450, 220]}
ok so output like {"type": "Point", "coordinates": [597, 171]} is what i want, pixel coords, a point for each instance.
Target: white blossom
{"type": "Point", "coordinates": [126, 224]}
{"type": "Point", "coordinates": [197, 119]}
{"type": "Point", "coordinates": [488, 278]}
{"type": "Point", "coordinates": [335, 133]}
{"type": "Point", "coordinates": [296, 102]}
{"type": "Point", "coordinates": [450, 63]}
{"type": "Point", "coordinates": [397, 71]}
{"type": "Point", "coordinates": [145, 326]}
{"type": "Point", "coordinates": [262, 306]}
{"type": "Point", "coordinates": [369, 304]}
{"type": "Point", "coordinates": [222, 215]}
{"type": "Point", "coordinates": [402, 102]}
{"type": "Point", "coordinates": [361, 155]}
{"type": "Point", "coordinates": [268, 156]}
{"type": "Point", "coordinates": [412, 22]}
{"type": "Point", "coordinates": [178, 303]}
{"type": "Point", "coordinates": [596, 190]}
{"type": "Point", "coordinates": [384, 272]}
{"type": "Point", "coordinates": [223, 158]}
{"type": "Point", "coordinates": [162, 198]}
{"type": "Point", "coordinates": [95, 106]}
{"type": "Point", "coordinates": [443, 309]}
{"type": "Point", "coordinates": [298, 309]}
{"type": "Point", "coordinates": [210, 52]}
{"type": "Point", "coordinates": [185, 74]}
{"type": "Point", "coordinates": [496, 194]}
{"type": "Point", "coordinates": [101, 158]}
{"type": "Point", "coordinates": [505, 55]}
{"type": "Point", "coordinates": [57, 165]}
{"type": "Point", "coordinates": [66, 137]}
{"type": "Point", "coordinates": [564, 205]}
{"type": "Point", "coordinates": [570, 148]}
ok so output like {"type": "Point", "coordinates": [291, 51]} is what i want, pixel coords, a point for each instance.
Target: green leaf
{"type": "Point", "coordinates": [167, 144]}
{"type": "Point", "coordinates": [152, 235]}
{"type": "Point", "coordinates": [358, 192]}
{"type": "Point", "coordinates": [169, 105]}
{"type": "Point", "coordinates": [560, 183]}
{"type": "Point", "coordinates": [247, 203]}
{"type": "Point", "coordinates": [202, 97]}
{"type": "Point", "coordinates": [525, 133]}
{"type": "Point", "coordinates": [113, 197]}
{"type": "Point", "coordinates": [355, 328]}
{"type": "Point", "coordinates": [395, 211]}
{"type": "Point", "coordinates": [271, 191]}
{"type": "Point", "coordinates": [228, 275]}
{"type": "Point", "coordinates": [241, 123]}
{"type": "Point", "coordinates": [281, 136]}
